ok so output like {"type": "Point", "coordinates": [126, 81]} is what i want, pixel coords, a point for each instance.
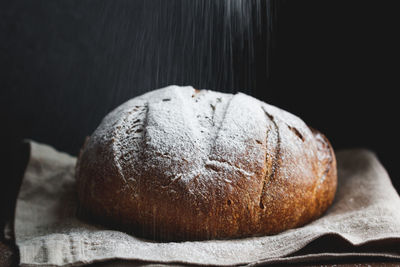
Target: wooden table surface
{"type": "Point", "coordinates": [14, 163]}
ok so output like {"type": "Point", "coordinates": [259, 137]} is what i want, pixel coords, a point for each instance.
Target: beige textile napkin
{"type": "Point", "coordinates": [366, 211]}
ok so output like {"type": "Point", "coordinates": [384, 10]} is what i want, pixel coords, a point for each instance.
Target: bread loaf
{"type": "Point", "coordinates": [184, 164]}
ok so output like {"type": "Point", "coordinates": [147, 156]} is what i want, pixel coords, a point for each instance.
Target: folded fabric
{"type": "Point", "coordinates": [366, 211]}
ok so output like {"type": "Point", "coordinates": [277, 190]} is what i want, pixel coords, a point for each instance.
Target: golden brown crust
{"type": "Point", "coordinates": [294, 184]}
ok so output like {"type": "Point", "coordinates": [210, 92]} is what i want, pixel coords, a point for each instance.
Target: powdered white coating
{"type": "Point", "coordinates": [212, 131]}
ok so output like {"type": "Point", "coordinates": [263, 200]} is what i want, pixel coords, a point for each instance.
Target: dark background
{"type": "Point", "coordinates": [65, 64]}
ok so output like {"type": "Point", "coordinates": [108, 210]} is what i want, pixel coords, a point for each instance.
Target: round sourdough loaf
{"type": "Point", "coordinates": [184, 164]}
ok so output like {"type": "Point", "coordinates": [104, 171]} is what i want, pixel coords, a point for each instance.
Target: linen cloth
{"type": "Point", "coordinates": [364, 220]}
